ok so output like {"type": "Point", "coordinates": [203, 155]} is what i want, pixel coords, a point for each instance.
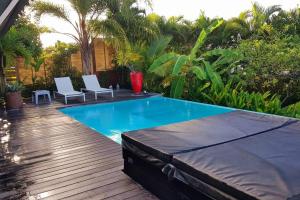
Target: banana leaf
{"type": "Point", "coordinates": [199, 72]}
{"type": "Point", "coordinates": [158, 64]}
{"type": "Point", "coordinates": [203, 36]}
{"type": "Point", "coordinates": [177, 87]}
{"type": "Point", "coordinates": [181, 60]}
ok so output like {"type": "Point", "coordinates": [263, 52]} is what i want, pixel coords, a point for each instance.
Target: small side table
{"type": "Point", "coordinates": [37, 93]}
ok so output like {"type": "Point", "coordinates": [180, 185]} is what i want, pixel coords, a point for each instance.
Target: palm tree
{"type": "Point", "coordinates": [234, 29]}
{"type": "Point", "coordinates": [86, 11]}
{"type": "Point", "coordinates": [132, 20]}
{"type": "Point", "coordinates": [180, 29]}
{"type": "Point", "coordinates": [125, 28]}
{"type": "Point", "coordinates": [287, 22]}
{"type": "Point", "coordinates": [249, 23]}
{"type": "Point", "coordinates": [91, 12]}
{"type": "Point", "coordinates": [258, 15]}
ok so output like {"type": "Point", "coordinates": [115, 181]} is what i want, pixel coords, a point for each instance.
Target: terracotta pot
{"type": "Point", "coordinates": [14, 100]}
{"type": "Point", "coordinates": [136, 79]}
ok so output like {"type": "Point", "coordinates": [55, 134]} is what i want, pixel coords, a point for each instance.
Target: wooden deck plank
{"type": "Point", "coordinates": [112, 187]}
{"type": "Point", "coordinates": [60, 158]}
{"type": "Point", "coordinates": [85, 185]}
{"type": "Point", "coordinates": [54, 184]}
{"type": "Point", "coordinates": [65, 168]}
{"type": "Point", "coordinates": [126, 195]}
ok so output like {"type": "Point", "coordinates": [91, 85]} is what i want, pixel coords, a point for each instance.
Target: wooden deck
{"type": "Point", "coordinates": [51, 156]}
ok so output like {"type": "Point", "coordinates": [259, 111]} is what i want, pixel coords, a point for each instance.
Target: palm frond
{"type": "Point", "coordinates": [48, 8]}
{"type": "Point", "coordinates": [271, 10]}
{"type": "Point", "coordinates": [82, 7]}
{"type": "Point", "coordinates": [112, 31]}
{"type": "Point", "coordinates": [157, 47]}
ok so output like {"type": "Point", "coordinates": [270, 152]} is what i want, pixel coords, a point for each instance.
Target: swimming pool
{"type": "Point", "coordinates": [113, 119]}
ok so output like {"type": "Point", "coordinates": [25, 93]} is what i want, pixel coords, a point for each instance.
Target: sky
{"type": "Point", "coordinates": [190, 9]}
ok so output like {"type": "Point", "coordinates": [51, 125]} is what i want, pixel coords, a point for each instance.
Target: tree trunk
{"type": "Point", "coordinates": [2, 82]}
{"type": "Point", "coordinates": [2, 77]}
{"type": "Point", "coordinates": [85, 50]}
{"type": "Point", "coordinates": [86, 60]}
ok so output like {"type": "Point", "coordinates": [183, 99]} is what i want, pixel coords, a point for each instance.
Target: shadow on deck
{"type": "Point", "coordinates": [49, 155]}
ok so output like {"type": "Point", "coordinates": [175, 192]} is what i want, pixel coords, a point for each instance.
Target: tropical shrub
{"type": "Point", "coordinates": [35, 67]}
{"type": "Point", "coordinates": [22, 40]}
{"type": "Point", "coordinates": [176, 68]}
{"type": "Point", "coordinates": [14, 87]}
{"type": "Point", "coordinates": [210, 77]}
{"type": "Point", "coordinates": [287, 22]}
{"type": "Point", "coordinates": [181, 30]}
{"type": "Point", "coordinates": [122, 17]}
{"type": "Point", "coordinates": [141, 56]}
{"type": "Point", "coordinates": [60, 64]}
{"type": "Point", "coordinates": [272, 66]}
{"type": "Point", "coordinates": [236, 97]}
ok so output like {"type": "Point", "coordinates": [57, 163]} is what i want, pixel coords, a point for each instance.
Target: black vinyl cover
{"type": "Point", "coordinates": [264, 166]}
{"type": "Point", "coordinates": [162, 142]}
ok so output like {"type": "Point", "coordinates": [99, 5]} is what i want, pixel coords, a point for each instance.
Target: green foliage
{"type": "Point", "coordinates": [122, 18]}
{"type": "Point", "coordinates": [142, 56]}
{"type": "Point", "coordinates": [35, 67]}
{"type": "Point", "coordinates": [246, 62]}
{"type": "Point", "coordinates": [130, 17]}
{"type": "Point", "coordinates": [202, 37]}
{"type": "Point", "coordinates": [287, 22]}
{"type": "Point", "coordinates": [38, 62]}
{"type": "Point", "coordinates": [156, 48]}
{"type": "Point", "coordinates": [226, 76]}
{"type": "Point", "coordinates": [181, 30]}
{"type": "Point", "coordinates": [292, 110]}
{"type": "Point", "coordinates": [60, 56]}
{"type": "Point", "coordinates": [236, 97]}
{"type": "Point", "coordinates": [258, 16]}
{"type": "Point", "coordinates": [21, 40]}
{"type": "Point", "coordinates": [14, 87]}
{"type": "Point", "coordinates": [177, 87]}
{"type": "Point", "coordinates": [272, 66]}
{"type": "Point", "coordinates": [180, 65]}
{"type": "Point", "coordinates": [49, 8]}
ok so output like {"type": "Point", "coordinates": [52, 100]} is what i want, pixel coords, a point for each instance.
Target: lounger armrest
{"type": "Point", "coordinates": [75, 95]}
{"type": "Point", "coordinates": [54, 92]}
{"type": "Point", "coordinates": [83, 89]}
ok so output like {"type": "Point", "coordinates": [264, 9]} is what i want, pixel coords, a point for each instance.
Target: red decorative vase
{"type": "Point", "coordinates": [136, 79]}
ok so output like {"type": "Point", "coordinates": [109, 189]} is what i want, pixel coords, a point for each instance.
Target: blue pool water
{"type": "Point", "coordinates": [112, 119]}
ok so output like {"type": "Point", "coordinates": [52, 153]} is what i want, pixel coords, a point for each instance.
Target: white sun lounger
{"type": "Point", "coordinates": [65, 88]}
{"type": "Point", "coordinates": [92, 85]}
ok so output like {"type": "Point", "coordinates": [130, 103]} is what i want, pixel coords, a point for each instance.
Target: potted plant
{"type": "Point", "coordinates": [136, 79]}
{"type": "Point", "coordinates": [13, 95]}
{"type": "Point", "coordinates": [141, 57]}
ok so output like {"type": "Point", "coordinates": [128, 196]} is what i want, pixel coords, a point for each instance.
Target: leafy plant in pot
{"type": "Point", "coordinates": [141, 56]}
{"type": "Point", "coordinates": [13, 95]}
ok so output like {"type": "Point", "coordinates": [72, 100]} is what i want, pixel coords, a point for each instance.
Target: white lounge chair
{"type": "Point", "coordinates": [92, 85]}
{"type": "Point", "coordinates": [65, 88]}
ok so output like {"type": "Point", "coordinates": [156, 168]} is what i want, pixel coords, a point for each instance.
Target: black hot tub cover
{"type": "Point", "coordinates": [264, 166]}
{"type": "Point", "coordinates": [162, 142]}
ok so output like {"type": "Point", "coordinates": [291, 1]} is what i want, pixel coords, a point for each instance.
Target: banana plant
{"type": "Point", "coordinates": [175, 67]}
{"type": "Point", "coordinates": [35, 67]}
